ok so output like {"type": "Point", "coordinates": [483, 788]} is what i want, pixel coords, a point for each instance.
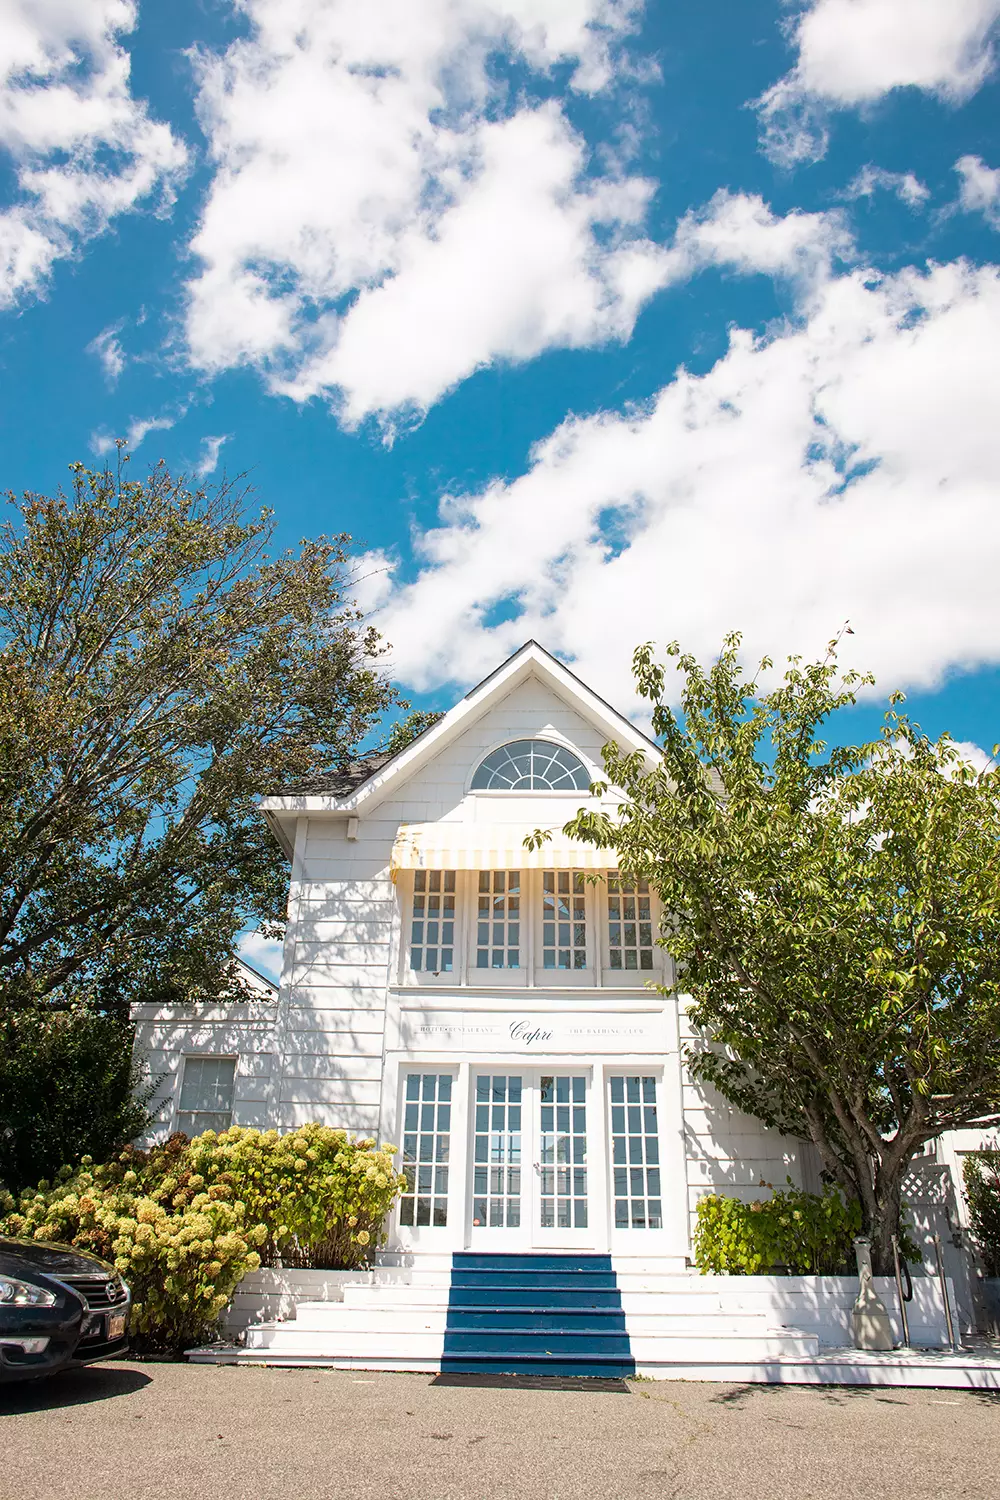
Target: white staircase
{"type": "Point", "coordinates": [671, 1323]}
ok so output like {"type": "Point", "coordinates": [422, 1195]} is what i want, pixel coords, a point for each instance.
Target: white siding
{"type": "Point", "coordinates": [336, 966]}
{"type": "Point", "coordinates": [733, 1153]}
{"type": "Point", "coordinates": [165, 1035]}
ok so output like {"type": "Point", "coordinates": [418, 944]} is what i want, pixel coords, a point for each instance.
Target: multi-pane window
{"type": "Point", "coordinates": [635, 1154]}
{"type": "Point", "coordinates": [498, 920]}
{"type": "Point", "coordinates": [564, 920]}
{"type": "Point", "coordinates": [432, 930]}
{"type": "Point", "coordinates": [630, 927]}
{"type": "Point", "coordinates": [207, 1089]}
{"type": "Point", "coordinates": [496, 1174]}
{"type": "Point", "coordinates": [563, 1153]}
{"type": "Point", "coordinates": [426, 1133]}
{"type": "Point", "coordinates": [531, 766]}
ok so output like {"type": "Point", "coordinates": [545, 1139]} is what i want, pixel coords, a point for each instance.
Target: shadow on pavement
{"type": "Point", "coordinates": [839, 1395]}
{"type": "Point", "coordinates": [71, 1388]}
{"type": "Point", "coordinates": [535, 1383]}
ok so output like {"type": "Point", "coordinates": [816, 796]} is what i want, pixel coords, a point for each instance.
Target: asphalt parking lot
{"type": "Point", "coordinates": [133, 1431]}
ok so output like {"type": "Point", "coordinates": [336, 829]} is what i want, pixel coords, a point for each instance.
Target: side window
{"type": "Point", "coordinates": [207, 1088]}
{"type": "Point", "coordinates": [432, 928]}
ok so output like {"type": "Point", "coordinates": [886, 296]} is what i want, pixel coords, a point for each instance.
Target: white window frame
{"type": "Point", "coordinates": [585, 978]}
{"type": "Point", "coordinates": [553, 738]}
{"type": "Point", "coordinates": [186, 1057]}
{"type": "Point", "coordinates": [412, 1235]}
{"type": "Point", "coordinates": [424, 978]}
{"type": "Point", "coordinates": [636, 1240]}
{"type": "Point", "coordinates": [500, 978]}
{"type": "Point", "coordinates": [465, 974]}
{"type": "Point", "coordinates": [627, 979]}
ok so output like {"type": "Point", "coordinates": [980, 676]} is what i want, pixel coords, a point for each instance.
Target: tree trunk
{"type": "Point", "coordinates": [883, 1223]}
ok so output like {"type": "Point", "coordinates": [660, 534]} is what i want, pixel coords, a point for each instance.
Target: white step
{"type": "Point", "coordinates": [631, 1301]}
{"type": "Point", "coordinates": [317, 1316]}
{"type": "Point", "coordinates": [912, 1369]}
{"type": "Point", "coordinates": [286, 1339]}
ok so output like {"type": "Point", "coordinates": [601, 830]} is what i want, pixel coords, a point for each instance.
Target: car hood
{"type": "Point", "coordinates": [18, 1256]}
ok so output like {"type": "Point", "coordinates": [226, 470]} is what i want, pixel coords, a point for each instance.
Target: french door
{"type": "Point", "coordinates": [530, 1181]}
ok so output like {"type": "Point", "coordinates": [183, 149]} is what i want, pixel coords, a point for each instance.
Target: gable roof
{"type": "Point", "coordinates": [342, 782]}
{"type": "Point", "coordinates": [360, 786]}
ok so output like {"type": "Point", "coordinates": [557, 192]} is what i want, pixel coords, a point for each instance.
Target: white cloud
{"type": "Point", "coordinates": [107, 346]}
{"type": "Point", "coordinates": [843, 466]}
{"type": "Point", "coordinates": [82, 148]}
{"type": "Point", "coordinates": [980, 189]}
{"type": "Point", "coordinates": [261, 953]}
{"type": "Point", "coordinates": [739, 231]}
{"type": "Point", "coordinates": [978, 759]}
{"type": "Point", "coordinates": [138, 429]}
{"type": "Point", "coordinates": [208, 459]}
{"type": "Point", "coordinates": [387, 216]}
{"type": "Point", "coordinates": [907, 187]}
{"type": "Point", "coordinates": [852, 52]}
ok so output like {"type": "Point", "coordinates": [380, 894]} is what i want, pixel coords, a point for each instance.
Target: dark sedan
{"type": "Point", "coordinates": [58, 1307]}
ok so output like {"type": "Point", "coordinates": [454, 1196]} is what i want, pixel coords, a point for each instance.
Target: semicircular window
{"type": "Point", "coordinates": [531, 766]}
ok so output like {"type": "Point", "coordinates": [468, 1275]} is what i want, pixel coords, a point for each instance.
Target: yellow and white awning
{"type": "Point", "coordinates": [491, 846]}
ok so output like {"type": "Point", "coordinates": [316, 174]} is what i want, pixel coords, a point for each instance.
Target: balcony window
{"type": "Point", "coordinates": [498, 920]}
{"type": "Point", "coordinates": [564, 920]}
{"type": "Point", "coordinates": [630, 926]}
{"type": "Point", "coordinates": [432, 929]}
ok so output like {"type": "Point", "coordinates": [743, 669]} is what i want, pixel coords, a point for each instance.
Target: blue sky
{"type": "Point", "coordinates": [592, 322]}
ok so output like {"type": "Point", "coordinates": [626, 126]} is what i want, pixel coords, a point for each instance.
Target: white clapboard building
{"type": "Point", "coordinates": [494, 1013]}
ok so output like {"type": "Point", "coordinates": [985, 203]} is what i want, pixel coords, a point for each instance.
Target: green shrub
{"type": "Point", "coordinates": [182, 1266]}
{"type": "Point", "coordinates": [68, 1088]}
{"type": "Point", "coordinates": [982, 1189]}
{"type": "Point", "coordinates": [323, 1197]}
{"type": "Point", "coordinates": [811, 1234]}
{"type": "Point", "coordinates": [186, 1220]}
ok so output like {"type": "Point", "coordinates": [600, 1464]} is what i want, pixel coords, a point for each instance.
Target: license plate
{"type": "Point", "coordinates": [116, 1326]}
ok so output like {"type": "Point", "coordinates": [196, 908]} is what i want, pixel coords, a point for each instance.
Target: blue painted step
{"type": "Point", "coordinates": [570, 1320]}
{"type": "Point", "coordinates": [501, 1297]}
{"type": "Point", "coordinates": [591, 1369]}
{"type": "Point", "coordinates": [558, 1314]}
{"type": "Point", "coordinates": [477, 1260]}
{"type": "Point", "coordinates": [537, 1342]}
{"type": "Point", "coordinates": [593, 1280]}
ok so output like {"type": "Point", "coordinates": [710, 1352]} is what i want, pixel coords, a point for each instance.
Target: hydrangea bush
{"type": "Point", "coordinates": [182, 1262]}
{"type": "Point", "coordinates": [810, 1234]}
{"type": "Point", "coordinates": [186, 1220]}
{"type": "Point", "coordinates": [323, 1197]}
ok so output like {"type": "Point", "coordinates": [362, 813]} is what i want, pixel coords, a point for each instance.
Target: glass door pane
{"type": "Point", "coordinates": [635, 1153]}
{"type": "Point", "coordinates": [426, 1150]}
{"type": "Point", "coordinates": [496, 1185]}
{"type": "Point", "coordinates": [562, 1170]}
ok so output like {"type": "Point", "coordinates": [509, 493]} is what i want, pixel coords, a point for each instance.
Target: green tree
{"type": "Point", "coordinates": [69, 1087]}
{"type": "Point", "coordinates": [406, 730]}
{"type": "Point", "coordinates": [160, 669]}
{"type": "Point", "coordinates": [834, 912]}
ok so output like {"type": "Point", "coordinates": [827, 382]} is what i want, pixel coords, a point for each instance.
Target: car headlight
{"type": "Point", "coordinates": [14, 1293]}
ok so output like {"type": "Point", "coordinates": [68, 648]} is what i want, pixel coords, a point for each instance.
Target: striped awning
{"type": "Point", "coordinates": [491, 846]}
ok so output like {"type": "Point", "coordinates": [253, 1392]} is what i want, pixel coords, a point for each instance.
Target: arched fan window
{"type": "Point", "coordinates": [531, 766]}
